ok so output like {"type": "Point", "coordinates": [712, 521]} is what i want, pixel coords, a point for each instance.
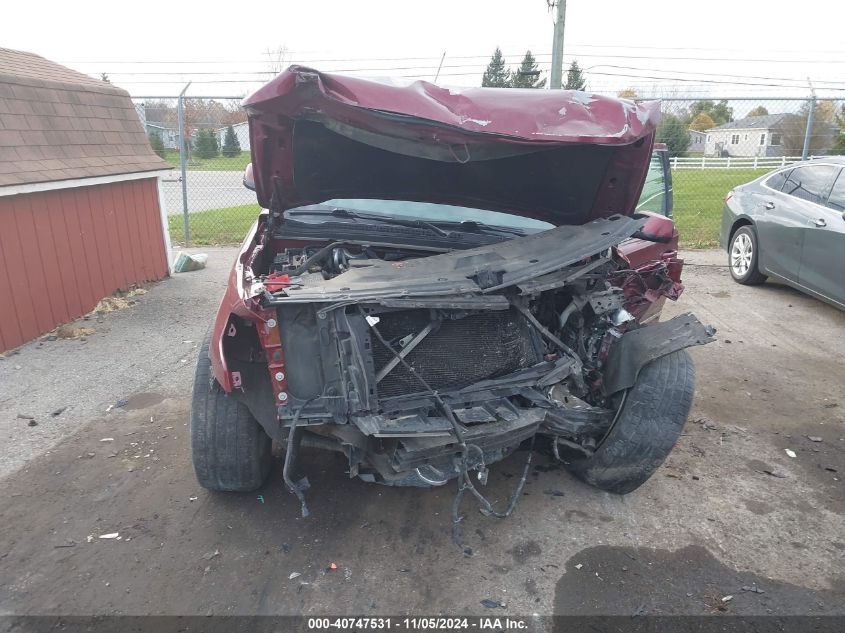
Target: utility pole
{"type": "Point", "coordinates": [557, 43]}
{"type": "Point", "coordinates": [808, 132]}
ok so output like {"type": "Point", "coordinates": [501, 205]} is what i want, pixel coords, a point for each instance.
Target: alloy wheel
{"type": "Point", "coordinates": [742, 251]}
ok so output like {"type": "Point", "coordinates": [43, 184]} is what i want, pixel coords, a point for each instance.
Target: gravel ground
{"type": "Point", "coordinates": [729, 509]}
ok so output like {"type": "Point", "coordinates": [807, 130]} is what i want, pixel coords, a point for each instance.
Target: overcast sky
{"type": "Point", "coordinates": [154, 47]}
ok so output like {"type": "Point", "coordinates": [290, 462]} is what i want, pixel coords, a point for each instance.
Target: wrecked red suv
{"type": "Point", "coordinates": [442, 276]}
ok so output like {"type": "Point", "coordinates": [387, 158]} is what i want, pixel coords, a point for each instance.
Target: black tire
{"type": "Point", "coordinates": [231, 452]}
{"type": "Point", "coordinates": [651, 419]}
{"type": "Point", "coordinates": [751, 276]}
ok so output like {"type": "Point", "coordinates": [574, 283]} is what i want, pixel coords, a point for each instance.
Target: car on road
{"type": "Point", "coordinates": [790, 225]}
{"type": "Point", "coordinates": [442, 277]}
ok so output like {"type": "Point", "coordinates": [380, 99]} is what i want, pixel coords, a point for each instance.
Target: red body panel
{"type": "Point", "coordinates": [62, 251]}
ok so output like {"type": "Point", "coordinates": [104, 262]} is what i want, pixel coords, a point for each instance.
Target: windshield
{"type": "Point", "coordinates": [439, 213]}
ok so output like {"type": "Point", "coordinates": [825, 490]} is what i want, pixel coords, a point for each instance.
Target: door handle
{"type": "Point", "coordinates": [770, 205]}
{"type": "Point", "coordinates": [820, 222]}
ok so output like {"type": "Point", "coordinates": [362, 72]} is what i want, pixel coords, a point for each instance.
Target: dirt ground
{"type": "Point", "coordinates": [731, 513]}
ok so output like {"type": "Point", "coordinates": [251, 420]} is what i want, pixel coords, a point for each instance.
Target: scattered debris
{"type": "Point", "coordinates": [211, 555]}
{"type": "Point", "coordinates": [110, 535]}
{"type": "Point", "coordinates": [69, 332]}
{"type": "Point", "coordinates": [814, 438]}
{"type": "Point", "coordinates": [775, 473]}
{"type": "Point", "coordinates": [727, 598]}
{"type": "Point", "coordinates": [25, 416]}
{"type": "Point", "coordinates": [118, 301]}
{"type": "Point", "coordinates": [642, 610]}
{"type": "Point", "coordinates": [831, 469]}
{"type": "Point", "coordinates": [706, 424]}
{"type": "Point", "coordinates": [790, 452]}
{"type": "Point", "coordinates": [186, 263]}
{"type": "Point", "coordinates": [32, 423]}
{"type": "Point", "coordinates": [578, 566]}
{"type": "Point", "coordinates": [332, 565]}
{"type": "Point", "coordinates": [58, 412]}
{"type": "Point", "coordinates": [286, 548]}
{"type": "Point", "coordinates": [193, 498]}
{"type": "Point", "coordinates": [752, 589]}
{"type": "Point", "coordinates": [293, 575]}
{"type": "Point", "coordinates": [107, 439]}
{"type": "Point", "coordinates": [69, 543]}
{"type": "Point", "coordinates": [90, 538]}
{"type": "Point", "coordinates": [493, 604]}
{"type": "Point", "coordinates": [260, 499]}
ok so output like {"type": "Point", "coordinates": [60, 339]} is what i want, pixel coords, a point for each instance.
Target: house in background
{"type": "Point", "coordinates": [81, 211]}
{"type": "Point", "coordinates": [751, 136]}
{"type": "Point", "coordinates": [168, 133]}
{"type": "Point", "coordinates": [241, 133]}
{"type": "Point", "coordinates": [696, 142]}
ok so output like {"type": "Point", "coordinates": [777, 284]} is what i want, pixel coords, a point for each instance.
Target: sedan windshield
{"type": "Point", "coordinates": [439, 213]}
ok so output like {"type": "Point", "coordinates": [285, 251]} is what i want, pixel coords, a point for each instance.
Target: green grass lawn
{"type": "Point", "coordinates": [221, 163]}
{"type": "Point", "coordinates": [699, 197]}
{"type": "Point", "coordinates": [217, 226]}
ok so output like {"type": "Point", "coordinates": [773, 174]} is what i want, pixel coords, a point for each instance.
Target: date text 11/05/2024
{"type": "Point", "coordinates": [419, 624]}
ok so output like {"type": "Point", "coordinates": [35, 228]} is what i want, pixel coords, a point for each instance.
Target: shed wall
{"type": "Point", "coordinates": [62, 251]}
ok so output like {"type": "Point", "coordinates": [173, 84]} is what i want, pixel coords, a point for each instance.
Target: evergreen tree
{"type": "Point", "coordinates": [575, 79]}
{"type": "Point", "coordinates": [497, 74]}
{"type": "Point", "coordinates": [156, 143]}
{"type": "Point", "coordinates": [673, 131]}
{"type": "Point", "coordinates": [205, 144]}
{"type": "Point", "coordinates": [231, 144]}
{"type": "Point", "coordinates": [528, 75]}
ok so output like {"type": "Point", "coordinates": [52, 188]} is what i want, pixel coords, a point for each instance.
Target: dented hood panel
{"type": "Point", "coordinates": [561, 156]}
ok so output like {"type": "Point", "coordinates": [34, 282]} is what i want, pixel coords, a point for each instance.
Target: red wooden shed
{"type": "Point", "coordinates": [80, 205]}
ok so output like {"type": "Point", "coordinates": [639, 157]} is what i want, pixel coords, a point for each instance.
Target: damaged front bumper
{"type": "Point", "coordinates": [403, 366]}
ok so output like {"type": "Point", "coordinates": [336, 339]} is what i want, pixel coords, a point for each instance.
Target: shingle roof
{"type": "Point", "coordinates": [761, 122]}
{"type": "Point", "coordinates": [58, 124]}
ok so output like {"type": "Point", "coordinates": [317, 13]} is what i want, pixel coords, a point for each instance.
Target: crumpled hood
{"type": "Point", "coordinates": [565, 157]}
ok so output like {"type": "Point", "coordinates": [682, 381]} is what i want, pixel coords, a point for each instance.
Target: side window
{"type": "Point", "coordinates": [654, 189]}
{"type": "Point", "coordinates": [837, 194]}
{"type": "Point", "coordinates": [776, 181]}
{"type": "Point", "coordinates": [810, 183]}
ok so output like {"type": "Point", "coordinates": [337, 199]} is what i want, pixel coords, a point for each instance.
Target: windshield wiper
{"type": "Point", "coordinates": [475, 225]}
{"type": "Point", "coordinates": [346, 213]}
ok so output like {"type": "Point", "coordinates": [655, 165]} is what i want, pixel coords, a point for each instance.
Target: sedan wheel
{"type": "Point", "coordinates": [743, 257]}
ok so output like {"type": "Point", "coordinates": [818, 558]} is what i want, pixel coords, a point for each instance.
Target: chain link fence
{"type": "Point", "coordinates": [714, 143]}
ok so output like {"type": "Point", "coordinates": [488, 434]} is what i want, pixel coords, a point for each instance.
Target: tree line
{"type": "Point", "coordinates": [526, 75]}
{"type": "Point", "coordinates": [204, 144]}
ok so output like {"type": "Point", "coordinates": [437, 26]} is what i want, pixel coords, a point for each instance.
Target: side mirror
{"type": "Point", "coordinates": [249, 179]}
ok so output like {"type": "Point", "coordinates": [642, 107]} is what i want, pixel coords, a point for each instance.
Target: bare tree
{"type": "Point", "coordinates": [277, 59]}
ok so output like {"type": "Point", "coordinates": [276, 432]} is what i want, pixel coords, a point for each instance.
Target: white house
{"type": "Point", "coordinates": [241, 133]}
{"type": "Point", "coordinates": [751, 136]}
{"type": "Point", "coordinates": [168, 133]}
{"type": "Point", "coordinates": [696, 141]}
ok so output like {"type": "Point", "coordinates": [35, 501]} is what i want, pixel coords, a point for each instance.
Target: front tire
{"type": "Point", "coordinates": [744, 257]}
{"type": "Point", "coordinates": [648, 424]}
{"type": "Point", "coordinates": [230, 450]}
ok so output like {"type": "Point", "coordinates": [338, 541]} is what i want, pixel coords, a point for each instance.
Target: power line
{"type": "Point", "coordinates": [294, 59]}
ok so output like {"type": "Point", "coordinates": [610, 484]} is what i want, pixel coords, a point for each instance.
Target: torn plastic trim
{"type": "Point", "coordinates": [636, 348]}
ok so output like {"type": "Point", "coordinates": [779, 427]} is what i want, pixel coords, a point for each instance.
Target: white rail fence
{"type": "Point", "coordinates": [735, 162]}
